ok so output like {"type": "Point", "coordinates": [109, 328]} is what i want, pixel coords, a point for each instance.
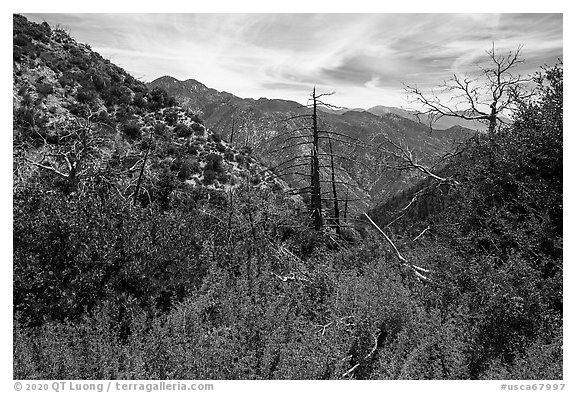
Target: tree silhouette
{"type": "Point", "coordinates": [316, 144]}
{"type": "Point", "coordinates": [486, 98]}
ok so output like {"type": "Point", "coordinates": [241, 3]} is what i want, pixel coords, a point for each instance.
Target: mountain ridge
{"type": "Point", "coordinates": [378, 110]}
{"type": "Point", "coordinates": [257, 122]}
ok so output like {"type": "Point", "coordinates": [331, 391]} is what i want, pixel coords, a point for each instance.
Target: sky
{"type": "Point", "coordinates": [364, 58]}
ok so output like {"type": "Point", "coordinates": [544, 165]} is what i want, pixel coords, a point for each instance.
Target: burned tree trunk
{"type": "Point", "coordinates": [141, 175]}
{"type": "Point", "coordinates": [346, 204]}
{"type": "Point", "coordinates": [309, 134]}
{"type": "Point", "coordinates": [316, 195]}
{"type": "Point", "coordinates": [334, 193]}
{"type": "Point", "coordinates": [232, 132]}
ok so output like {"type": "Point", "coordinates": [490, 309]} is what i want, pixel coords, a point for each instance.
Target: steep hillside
{"type": "Point", "coordinates": [78, 117]}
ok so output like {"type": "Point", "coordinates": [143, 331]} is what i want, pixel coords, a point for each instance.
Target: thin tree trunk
{"type": "Point", "coordinates": [141, 173]}
{"type": "Point", "coordinates": [316, 193]}
{"type": "Point", "coordinates": [336, 211]}
{"type": "Point", "coordinates": [492, 119]}
{"type": "Point", "coordinates": [232, 133]}
{"type": "Point", "coordinates": [346, 204]}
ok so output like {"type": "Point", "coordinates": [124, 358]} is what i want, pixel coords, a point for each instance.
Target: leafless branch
{"type": "Point", "coordinates": [416, 269]}
{"type": "Point", "coordinates": [421, 233]}
{"type": "Point", "coordinates": [483, 100]}
{"type": "Point", "coordinates": [368, 356]}
{"type": "Point", "coordinates": [405, 155]}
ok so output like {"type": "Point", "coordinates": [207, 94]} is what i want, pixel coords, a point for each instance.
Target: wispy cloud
{"type": "Point", "coordinates": [365, 58]}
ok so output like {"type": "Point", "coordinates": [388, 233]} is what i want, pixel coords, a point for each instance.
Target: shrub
{"type": "Point", "coordinates": [171, 149]}
{"type": "Point", "coordinates": [99, 81]}
{"type": "Point", "coordinates": [192, 149]}
{"type": "Point", "coordinates": [80, 60]}
{"type": "Point", "coordinates": [246, 150]}
{"type": "Point", "coordinates": [171, 102]}
{"type": "Point", "coordinates": [198, 129]}
{"type": "Point", "coordinates": [165, 185]}
{"type": "Point", "coordinates": [124, 114]}
{"type": "Point", "coordinates": [229, 155]}
{"type": "Point", "coordinates": [187, 168]}
{"type": "Point", "coordinates": [140, 100]}
{"type": "Point", "coordinates": [214, 163]}
{"type": "Point", "coordinates": [132, 130]}
{"type": "Point", "coordinates": [160, 129]}
{"type": "Point", "coordinates": [209, 176]}
{"type": "Point", "coordinates": [221, 148]}
{"type": "Point", "coordinates": [48, 58]}
{"type": "Point", "coordinates": [119, 95]}
{"type": "Point", "coordinates": [17, 54]}
{"type": "Point", "coordinates": [182, 130]}
{"type": "Point", "coordinates": [214, 137]}
{"type": "Point", "coordinates": [44, 89]}
{"type": "Point", "coordinates": [159, 99]}
{"type": "Point", "coordinates": [255, 179]}
{"type": "Point", "coordinates": [21, 40]}
{"type": "Point", "coordinates": [26, 118]}
{"type": "Point", "coordinates": [85, 96]}
{"type": "Point", "coordinates": [171, 117]}
{"type": "Point", "coordinates": [242, 160]}
{"type": "Point", "coordinates": [66, 79]}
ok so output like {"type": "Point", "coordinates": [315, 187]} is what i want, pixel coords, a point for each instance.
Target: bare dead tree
{"type": "Point", "coordinates": [316, 196]}
{"type": "Point", "coordinates": [486, 96]}
{"type": "Point", "coordinates": [141, 175]}
{"type": "Point", "coordinates": [312, 146]}
{"type": "Point", "coordinates": [334, 192]}
{"type": "Point", "coordinates": [68, 157]}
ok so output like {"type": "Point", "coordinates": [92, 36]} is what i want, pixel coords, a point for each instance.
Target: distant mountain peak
{"type": "Point", "coordinates": [168, 78]}
{"type": "Point", "coordinates": [195, 82]}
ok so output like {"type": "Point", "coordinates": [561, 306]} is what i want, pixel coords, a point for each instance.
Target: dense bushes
{"type": "Point", "coordinates": [193, 299]}
{"type": "Point", "coordinates": [23, 28]}
{"type": "Point", "coordinates": [83, 252]}
{"type": "Point", "coordinates": [495, 242]}
{"type": "Point", "coordinates": [158, 98]}
{"type": "Point", "coordinates": [181, 296]}
{"type": "Point", "coordinates": [239, 289]}
{"type": "Point", "coordinates": [187, 169]}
